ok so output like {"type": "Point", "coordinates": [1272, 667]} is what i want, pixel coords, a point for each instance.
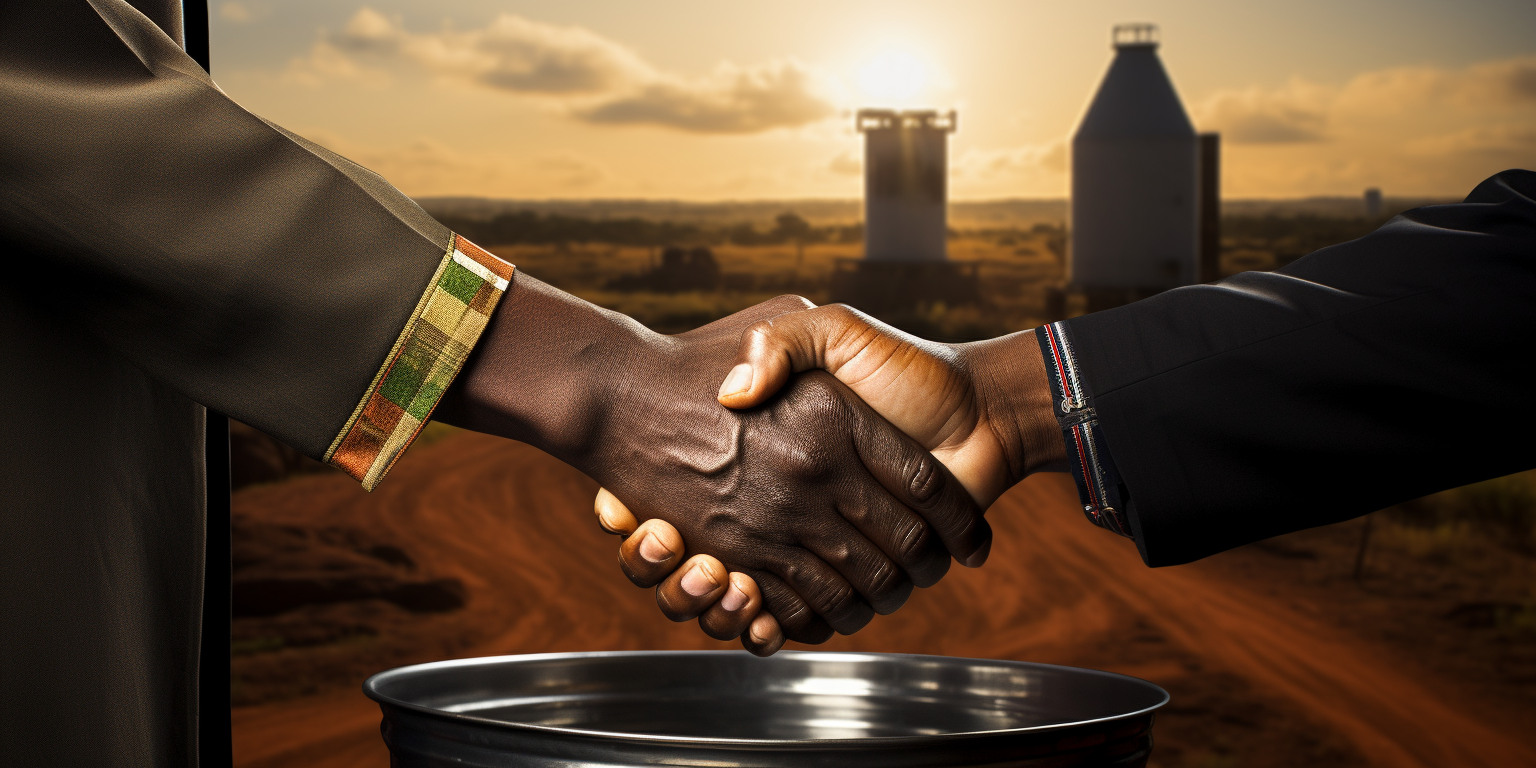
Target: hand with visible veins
{"type": "Point", "coordinates": [984, 409]}
{"type": "Point", "coordinates": [832, 512]}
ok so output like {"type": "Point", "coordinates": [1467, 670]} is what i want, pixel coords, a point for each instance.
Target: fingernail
{"type": "Point", "coordinates": [734, 599]}
{"type": "Point", "coordinates": [738, 380]}
{"type": "Point", "coordinates": [653, 550]}
{"type": "Point", "coordinates": [698, 582]}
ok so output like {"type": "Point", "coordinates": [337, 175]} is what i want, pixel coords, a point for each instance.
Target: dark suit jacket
{"type": "Point", "coordinates": [164, 249]}
{"type": "Point", "coordinates": [1360, 376]}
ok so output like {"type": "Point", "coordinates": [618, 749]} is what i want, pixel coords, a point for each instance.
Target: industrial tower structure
{"type": "Point", "coordinates": [906, 229]}
{"type": "Point", "coordinates": [1144, 197]}
{"type": "Point", "coordinates": [906, 161]}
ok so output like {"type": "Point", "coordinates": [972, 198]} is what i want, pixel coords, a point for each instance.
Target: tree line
{"type": "Point", "coordinates": [533, 228]}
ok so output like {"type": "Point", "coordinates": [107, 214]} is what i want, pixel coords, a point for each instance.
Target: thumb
{"type": "Point", "coordinates": [773, 350]}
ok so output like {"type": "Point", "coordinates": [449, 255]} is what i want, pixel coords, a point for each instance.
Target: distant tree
{"type": "Point", "coordinates": [789, 226]}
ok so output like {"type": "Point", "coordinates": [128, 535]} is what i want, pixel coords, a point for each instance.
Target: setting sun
{"type": "Point", "coordinates": [892, 79]}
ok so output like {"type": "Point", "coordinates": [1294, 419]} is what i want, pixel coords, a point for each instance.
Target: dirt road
{"type": "Point", "coordinates": [516, 527]}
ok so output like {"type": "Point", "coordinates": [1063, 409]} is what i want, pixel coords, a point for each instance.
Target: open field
{"type": "Point", "coordinates": [1014, 268]}
{"type": "Point", "coordinates": [1274, 655]}
{"type": "Point", "coordinates": [1408, 641]}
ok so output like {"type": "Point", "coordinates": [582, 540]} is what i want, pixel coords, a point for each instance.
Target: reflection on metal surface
{"type": "Point", "coordinates": [794, 710]}
{"type": "Point", "coordinates": [832, 686]}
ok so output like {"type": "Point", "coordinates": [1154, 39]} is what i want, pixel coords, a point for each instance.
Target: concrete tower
{"type": "Point", "coordinates": [1134, 177]}
{"type": "Point", "coordinates": [905, 169]}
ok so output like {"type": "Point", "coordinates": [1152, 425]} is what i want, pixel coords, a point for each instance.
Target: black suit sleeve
{"type": "Point", "coordinates": [256, 272]}
{"type": "Point", "coordinates": [1360, 376]}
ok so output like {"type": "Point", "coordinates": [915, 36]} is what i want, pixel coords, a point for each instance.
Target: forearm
{"type": "Point", "coordinates": [546, 372]}
{"type": "Point", "coordinates": [1363, 375]}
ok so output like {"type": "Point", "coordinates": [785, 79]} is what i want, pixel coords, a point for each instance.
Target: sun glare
{"type": "Point", "coordinates": [892, 79]}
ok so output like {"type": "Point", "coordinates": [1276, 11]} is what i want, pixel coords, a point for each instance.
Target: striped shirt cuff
{"type": "Point", "coordinates": [1098, 483]}
{"type": "Point", "coordinates": [429, 353]}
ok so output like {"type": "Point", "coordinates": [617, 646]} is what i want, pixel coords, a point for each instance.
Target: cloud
{"type": "Point", "coordinates": [1300, 111]}
{"type": "Point", "coordinates": [325, 63]}
{"type": "Point", "coordinates": [1507, 139]}
{"type": "Point", "coordinates": [1497, 85]}
{"type": "Point", "coordinates": [511, 54]}
{"type": "Point", "coordinates": [1050, 158]}
{"type": "Point", "coordinates": [1412, 130]}
{"type": "Point", "coordinates": [1294, 113]}
{"type": "Point", "coordinates": [732, 100]}
{"type": "Point", "coordinates": [846, 164]}
{"type": "Point", "coordinates": [576, 71]}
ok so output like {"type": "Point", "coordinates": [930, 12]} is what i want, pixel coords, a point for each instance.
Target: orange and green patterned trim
{"type": "Point", "coordinates": [429, 353]}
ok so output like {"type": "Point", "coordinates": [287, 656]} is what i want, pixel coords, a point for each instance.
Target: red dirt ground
{"type": "Point", "coordinates": [1256, 677]}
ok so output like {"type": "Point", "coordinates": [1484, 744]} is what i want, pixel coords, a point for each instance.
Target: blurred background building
{"type": "Point", "coordinates": [1373, 203]}
{"type": "Point", "coordinates": [1145, 207]}
{"type": "Point", "coordinates": [906, 231]}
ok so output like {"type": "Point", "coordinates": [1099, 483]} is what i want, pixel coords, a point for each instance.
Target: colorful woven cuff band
{"type": "Point", "coordinates": [1098, 483]}
{"type": "Point", "coordinates": [426, 357]}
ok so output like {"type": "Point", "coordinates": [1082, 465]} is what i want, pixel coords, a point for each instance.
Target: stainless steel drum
{"type": "Point", "coordinates": [721, 708]}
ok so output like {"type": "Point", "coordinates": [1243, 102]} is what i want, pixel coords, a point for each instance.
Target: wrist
{"type": "Point", "coordinates": [545, 372]}
{"type": "Point", "coordinates": [1013, 393]}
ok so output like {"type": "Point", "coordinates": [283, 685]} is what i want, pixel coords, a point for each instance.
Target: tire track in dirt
{"type": "Point", "coordinates": [516, 526]}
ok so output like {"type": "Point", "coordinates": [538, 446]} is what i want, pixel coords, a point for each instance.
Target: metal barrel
{"type": "Point", "coordinates": [796, 709]}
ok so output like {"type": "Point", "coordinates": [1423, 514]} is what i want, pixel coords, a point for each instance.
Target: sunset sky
{"type": "Point", "coordinates": [734, 100]}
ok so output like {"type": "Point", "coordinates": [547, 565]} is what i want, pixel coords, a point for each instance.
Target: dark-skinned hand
{"type": "Point", "coordinates": [984, 409]}
{"type": "Point", "coordinates": [832, 512]}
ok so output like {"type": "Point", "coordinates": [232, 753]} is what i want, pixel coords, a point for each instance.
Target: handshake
{"type": "Point", "coordinates": [813, 464]}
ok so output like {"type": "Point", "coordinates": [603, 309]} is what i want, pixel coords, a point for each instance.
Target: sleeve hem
{"type": "Point", "coordinates": [1099, 488]}
{"type": "Point", "coordinates": [431, 349]}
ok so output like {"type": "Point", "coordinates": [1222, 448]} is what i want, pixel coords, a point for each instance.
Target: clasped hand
{"type": "Point", "coordinates": [833, 507]}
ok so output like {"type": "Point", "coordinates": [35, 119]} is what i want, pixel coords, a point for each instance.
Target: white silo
{"type": "Point", "coordinates": [1134, 177]}
{"type": "Point", "coordinates": [905, 169]}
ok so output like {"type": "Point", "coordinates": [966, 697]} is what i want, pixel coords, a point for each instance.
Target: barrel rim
{"type": "Point", "coordinates": [371, 690]}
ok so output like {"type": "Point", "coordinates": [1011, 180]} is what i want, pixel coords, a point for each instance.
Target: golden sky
{"type": "Point", "coordinates": [749, 100]}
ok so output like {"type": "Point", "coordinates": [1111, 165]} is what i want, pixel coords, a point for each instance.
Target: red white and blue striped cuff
{"type": "Point", "coordinates": [1098, 484]}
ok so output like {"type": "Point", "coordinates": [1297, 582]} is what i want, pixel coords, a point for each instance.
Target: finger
{"type": "Point", "coordinates": [793, 615]}
{"type": "Point", "coordinates": [821, 588]}
{"type": "Point", "coordinates": [763, 637]}
{"type": "Point", "coordinates": [829, 337]}
{"type": "Point", "coordinates": [651, 552]}
{"type": "Point", "coordinates": [693, 588]}
{"type": "Point", "coordinates": [899, 533]}
{"type": "Point", "coordinates": [737, 608]}
{"type": "Point", "coordinates": [918, 480]}
{"type": "Point", "coordinates": [771, 308]}
{"type": "Point", "coordinates": [882, 583]}
{"type": "Point", "coordinates": [612, 515]}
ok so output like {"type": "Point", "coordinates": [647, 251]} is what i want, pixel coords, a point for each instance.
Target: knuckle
{"type": "Point", "coordinates": [840, 312]}
{"type": "Point", "coordinates": [803, 463]}
{"type": "Point", "coordinates": [914, 540]}
{"type": "Point", "coordinates": [824, 595]}
{"type": "Point", "coordinates": [834, 599]}
{"type": "Point", "coordinates": [886, 578]}
{"type": "Point", "coordinates": [790, 301]}
{"type": "Point", "coordinates": [924, 480]}
{"type": "Point", "coordinates": [796, 617]}
{"type": "Point", "coordinates": [762, 329]}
